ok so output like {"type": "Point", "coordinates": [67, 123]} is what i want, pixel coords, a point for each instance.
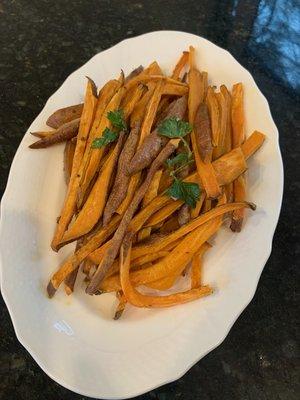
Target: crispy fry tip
{"type": "Point", "coordinates": [51, 290]}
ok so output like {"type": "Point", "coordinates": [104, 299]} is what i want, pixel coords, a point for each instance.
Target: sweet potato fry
{"type": "Point", "coordinates": [197, 266]}
{"type": "Point", "coordinates": [69, 152]}
{"type": "Point", "coordinates": [237, 115]}
{"type": "Point", "coordinates": [230, 166]}
{"type": "Point", "coordinates": [170, 224]}
{"type": "Point", "coordinates": [152, 69]}
{"type": "Point", "coordinates": [228, 137]}
{"type": "Point", "coordinates": [105, 96]}
{"type": "Point", "coordinates": [204, 86]}
{"type": "Point", "coordinates": [65, 132]}
{"type": "Point", "coordinates": [223, 102]}
{"type": "Point", "coordinates": [151, 111]}
{"type": "Point", "coordinates": [138, 112]}
{"type": "Point", "coordinates": [74, 261]}
{"type": "Point", "coordinates": [202, 131]}
{"type": "Point", "coordinates": [118, 237]}
{"type": "Point", "coordinates": [69, 206]}
{"type": "Point", "coordinates": [68, 161]}
{"type": "Point", "coordinates": [196, 211]}
{"type": "Point", "coordinates": [64, 115]}
{"type": "Point", "coordinates": [252, 144]}
{"type": "Point", "coordinates": [164, 213]}
{"type": "Point", "coordinates": [180, 65]}
{"type": "Point", "coordinates": [70, 281]}
{"type": "Point", "coordinates": [205, 170]}
{"type": "Point", "coordinates": [122, 180]}
{"type": "Point", "coordinates": [171, 89]}
{"type": "Point", "coordinates": [146, 258]}
{"type": "Point", "coordinates": [153, 143]}
{"type": "Point", "coordinates": [146, 78]}
{"type": "Point", "coordinates": [134, 73]}
{"type": "Point", "coordinates": [184, 215]}
{"type": "Point", "coordinates": [88, 268]}
{"type": "Point", "coordinates": [238, 137]}
{"type": "Point", "coordinates": [239, 192]}
{"type": "Point", "coordinates": [128, 106]}
{"type": "Point", "coordinates": [93, 208]}
{"type": "Point", "coordinates": [140, 300]}
{"type": "Point", "coordinates": [228, 134]}
{"type": "Point", "coordinates": [134, 182]}
{"type": "Point", "coordinates": [214, 112]}
{"type": "Point", "coordinates": [121, 306]}
{"type": "Point", "coordinates": [150, 195]}
{"type": "Point", "coordinates": [140, 218]}
{"type": "Point", "coordinates": [95, 154]}
{"type": "Point", "coordinates": [42, 134]}
{"type": "Point", "coordinates": [71, 278]}
{"type": "Point", "coordinates": [165, 181]}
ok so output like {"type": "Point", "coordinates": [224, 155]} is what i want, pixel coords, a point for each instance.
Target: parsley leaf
{"type": "Point", "coordinates": [177, 161]}
{"type": "Point", "coordinates": [107, 137]}
{"type": "Point", "coordinates": [186, 191]}
{"type": "Point", "coordinates": [174, 128]}
{"type": "Point", "coordinates": [117, 119]}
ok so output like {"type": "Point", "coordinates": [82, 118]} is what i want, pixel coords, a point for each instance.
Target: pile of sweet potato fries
{"type": "Point", "coordinates": [154, 166]}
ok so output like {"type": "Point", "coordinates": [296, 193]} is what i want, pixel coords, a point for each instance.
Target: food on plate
{"type": "Point", "coordinates": [65, 132]}
{"type": "Point", "coordinates": [64, 115]}
{"type": "Point", "coordinates": [154, 166]}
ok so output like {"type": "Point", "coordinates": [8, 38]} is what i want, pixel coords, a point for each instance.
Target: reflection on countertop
{"type": "Point", "coordinates": [275, 39]}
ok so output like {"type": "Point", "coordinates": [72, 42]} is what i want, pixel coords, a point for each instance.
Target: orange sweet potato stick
{"type": "Point", "coordinates": [140, 300]}
{"type": "Point", "coordinates": [69, 206]}
{"type": "Point", "coordinates": [238, 137]}
{"type": "Point", "coordinates": [205, 170]}
{"type": "Point", "coordinates": [91, 165]}
{"type": "Point", "coordinates": [92, 209]}
{"type": "Point", "coordinates": [197, 266]}
{"type": "Point", "coordinates": [252, 144]}
{"type": "Point", "coordinates": [214, 112]}
{"type": "Point", "coordinates": [149, 196]}
{"type": "Point", "coordinates": [64, 115]}
{"type": "Point", "coordinates": [183, 60]}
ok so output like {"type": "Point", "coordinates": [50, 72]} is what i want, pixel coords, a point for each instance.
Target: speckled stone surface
{"type": "Point", "coordinates": [42, 42]}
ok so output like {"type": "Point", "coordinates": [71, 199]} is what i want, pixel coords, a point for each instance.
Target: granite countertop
{"type": "Point", "coordinates": [43, 41]}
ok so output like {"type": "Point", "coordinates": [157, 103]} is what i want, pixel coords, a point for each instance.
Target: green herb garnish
{"type": "Point", "coordinates": [188, 192]}
{"type": "Point", "coordinates": [117, 119]}
{"type": "Point", "coordinates": [180, 160]}
{"type": "Point", "coordinates": [107, 137]}
{"type": "Point", "coordinates": [174, 128]}
{"type": "Point", "coordinates": [185, 191]}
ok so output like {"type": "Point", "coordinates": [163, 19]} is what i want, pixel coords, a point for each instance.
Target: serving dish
{"type": "Point", "coordinates": [73, 338]}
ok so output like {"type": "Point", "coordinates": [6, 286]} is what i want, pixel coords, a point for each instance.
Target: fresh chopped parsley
{"type": "Point", "coordinates": [107, 137]}
{"type": "Point", "coordinates": [117, 119]}
{"type": "Point", "coordinates": [174, 128]}
{"type": "Point", "coordinates": [185, 191]}
{"type": "Point", "coordinates": [180, 160]}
